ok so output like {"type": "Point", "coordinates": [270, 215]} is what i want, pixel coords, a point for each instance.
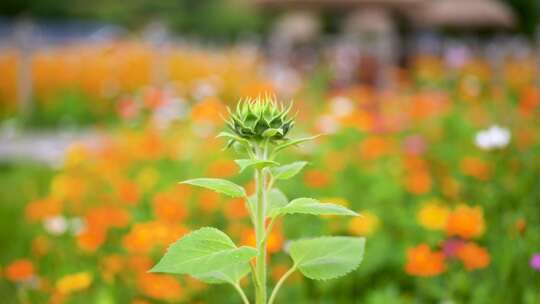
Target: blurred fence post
{"type": "Point", "coordinates": [23, 35]}
{"type": "Point", "coordinates": [373, 28]}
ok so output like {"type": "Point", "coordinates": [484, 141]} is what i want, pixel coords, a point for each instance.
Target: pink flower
{"type": "Point", "coordinates": [535, 261]}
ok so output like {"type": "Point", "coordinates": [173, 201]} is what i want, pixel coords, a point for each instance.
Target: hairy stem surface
{"type": "Point", "coordinates": [260, 263]}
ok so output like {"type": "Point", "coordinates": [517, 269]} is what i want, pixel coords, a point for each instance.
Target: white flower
{"type": "Point", "coordinates": [495, 137]}
{"type": "Point", "coordinates": [56, 225]}
{"type": "Point", "coordinates": [328, 124]}
{"type": "Point", "coordinates": [204, 88]}
{"type": "Point", "coordinates": [341, 106]}
{"type": "Point", "coordinates": [169, 111]}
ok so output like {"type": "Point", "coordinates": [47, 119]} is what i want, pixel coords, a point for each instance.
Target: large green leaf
{"type": "Point", "coordinates": [231, 274]}
{"type": "Point", "coordinates": [207, 253]}
{"type": "Point", "coordinates": [219, 185]}
{"type": "Point", "coordinates": [256, 163]}
{"type": "Point", "coordinates": [307, 205]}
{"type": "Point", "coordinates": [288, 171]}
{"type": "Point", "coordinates": [276, 200]}
{"type": "Point", "coordinates": [327, 257]}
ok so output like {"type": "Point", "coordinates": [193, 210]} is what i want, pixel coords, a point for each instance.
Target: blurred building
{"type": "Point", "coordinates": [370, 30]}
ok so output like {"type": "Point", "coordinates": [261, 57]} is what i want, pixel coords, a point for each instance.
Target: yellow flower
{"type": "Point", "coordinates": [433, 215]}
{"type": "Point", "coordinates": [76, 155]}
{"type": "Point", "coordinates": [365, 224]}
{"type": "Point", "coordinates": [74, 282]}
{"type": "Point", "coordinates": [147, 178]}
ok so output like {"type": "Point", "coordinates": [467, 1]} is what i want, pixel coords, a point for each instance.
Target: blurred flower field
{"type": "Point", "coordinates": [444, 169]}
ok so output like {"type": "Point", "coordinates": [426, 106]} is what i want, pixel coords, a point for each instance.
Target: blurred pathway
{"type": "Point", "coordinates": [47, 146]}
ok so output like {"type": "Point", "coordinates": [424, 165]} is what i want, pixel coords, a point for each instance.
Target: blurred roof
{"type": "Point", "coordinates": [464, 14]}
{"type": "Point", "coordinates": [335, 3]}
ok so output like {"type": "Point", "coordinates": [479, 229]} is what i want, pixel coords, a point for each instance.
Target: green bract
{"type": "Point", "coordinates": [259, 119]}
{"type": "Point", "coordinates": [259, 127]}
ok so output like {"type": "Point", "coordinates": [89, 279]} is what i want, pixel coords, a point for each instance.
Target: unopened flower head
{"type": "Point", "coordinates": [261, 118]}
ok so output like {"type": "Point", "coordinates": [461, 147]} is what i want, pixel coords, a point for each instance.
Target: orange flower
{"type": "Point", "coordinates": [433, 215]}
{"type": "Point", "coordinates": [19, 270]}
{"type": "Point", "coordinates": [128, 192]}
{"type": "Point", "coordinates": [274, 244]}
{"type": "Point", "coordinates": [111, 265]}
{"type": "Point", "coordinates": [222, 168]}
{"type": "Point", "coordinates": [529, 100]}
{"type": "Point", "coordinates": [375, 147]}
{"type": "Point", "coordinates": [208, 110]}
{"type": "Point", "coordinates": [423, 262]}
{"type": "Point", "coordinates": [365, 224]}
{"type": "Point", "coordinates": [143, 237]}
{"type": "Point", "coordinates": [466, 222]}
{"type": "Point", "coordinates": [475, 167]}
{"type": "Point", "coordinates": [275, 241]}
{"type": "Point", "coordinates": [139, 263]}
{"type": "Point", "coordinates": [168, 206]}
{"type": "Point", "coordinates": [43, 208]}
{"type": "Point", "coordinates": [414, 163]}
{"type": "Point", "coordinates": [235, 210]}
{"type": "Point", "coordinates": [473, 256]}
{"type": "Point", "coordinates": [426, 105]}
{"type": "Point", "coordinates": [208, 201]}
{"type": "Point", "coordinates": [158, 286]}
{"type": "Point", "coordinates": [316, 179]}
{"type": "Point", "coordinates": [91, 239]}
{"type": "Point", "coordinates": [362, 120]}
{"type": "Point", "coordinates": [106, 217]}
{"type": "Point", "coordinates": [418, 182]}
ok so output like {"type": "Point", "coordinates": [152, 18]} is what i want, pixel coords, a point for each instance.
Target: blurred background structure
{"type": "Point", "coordinates": [431, 108]}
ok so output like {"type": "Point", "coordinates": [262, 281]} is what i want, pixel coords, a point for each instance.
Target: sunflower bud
{"type": "Point", "coordinates": [260, 119]}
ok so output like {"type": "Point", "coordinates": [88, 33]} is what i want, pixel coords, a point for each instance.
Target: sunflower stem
{"type": "Point", "coordinates": [260, 231]}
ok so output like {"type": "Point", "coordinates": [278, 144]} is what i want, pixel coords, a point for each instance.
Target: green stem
{"type": "Point", "coordinates": [269, 230]}
{"type": "Point", "coordinates": [241, 293]}
{"type": "Point", "coordinates": [279, 283]}
{"type": "Point", "coordinates": [260, 263]}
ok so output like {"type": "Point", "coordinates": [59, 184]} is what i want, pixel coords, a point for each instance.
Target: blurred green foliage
{"type": "Point", "coordinates": [216, 19]}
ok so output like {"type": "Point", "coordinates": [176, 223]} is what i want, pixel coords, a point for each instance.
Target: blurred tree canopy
{"type": "Point", "coordinates": [209, 18]}
{"type": "Point", "coordinates": [528, 14]}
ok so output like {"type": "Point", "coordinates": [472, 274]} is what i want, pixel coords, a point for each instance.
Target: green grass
{"type": "Point", "coordinates": [19, 184]}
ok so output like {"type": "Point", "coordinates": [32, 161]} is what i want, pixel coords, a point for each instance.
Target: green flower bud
{"type": "Point", "coordinates": [260, 119]}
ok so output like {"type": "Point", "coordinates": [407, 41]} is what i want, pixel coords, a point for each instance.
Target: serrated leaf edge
{"type": "Point", "coordinates": [338, 276]}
